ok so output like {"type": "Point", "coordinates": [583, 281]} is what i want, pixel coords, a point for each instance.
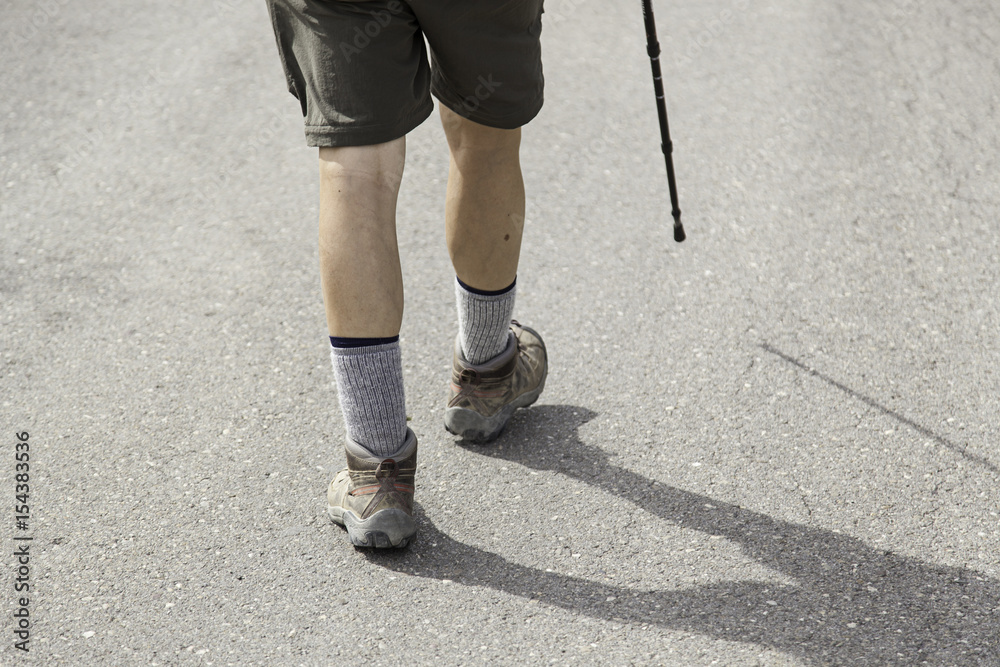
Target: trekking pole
{"type": "Point", "coordinates": [653, 48]}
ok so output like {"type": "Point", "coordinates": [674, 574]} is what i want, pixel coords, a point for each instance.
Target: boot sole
{"type": "Point", "coordinates": [387, 529]}
{"type": "Point", "coordinates": [472, 426]}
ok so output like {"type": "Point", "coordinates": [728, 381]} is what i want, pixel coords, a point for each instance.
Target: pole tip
{"type": "Point", "coordinates": [679, 234]}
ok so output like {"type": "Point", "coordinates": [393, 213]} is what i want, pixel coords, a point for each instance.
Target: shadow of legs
{"type": "Point", "coordinates": [852, 604]}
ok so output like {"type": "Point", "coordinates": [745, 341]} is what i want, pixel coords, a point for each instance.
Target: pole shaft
{"type": "Point", "coordinates": [653, 49]}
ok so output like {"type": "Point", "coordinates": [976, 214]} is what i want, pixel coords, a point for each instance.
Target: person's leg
{"type": "Point", "coordinates": [484, 218]}
{"type": "Point", "coordinates": [358, 102]}
{"type": "Point", "coordinates": [498, 366]}
{"type": "Point", "coordinates": [363, 294]}
{"type": "Point", "coordinates": [359, 259]}
{"type": "Point", "coordinates": [484, 212]}
{"type": "Point", "coordinates": [363, 288]}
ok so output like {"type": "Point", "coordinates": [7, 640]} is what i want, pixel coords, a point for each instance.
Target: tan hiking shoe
{"type": "Point", "coordinates": [373, 497]}
{"type": "Point", "coordinates": [483, 397]}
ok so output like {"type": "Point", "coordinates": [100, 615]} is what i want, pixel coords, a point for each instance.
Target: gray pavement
{"type": "Point", "coordinates": [774, 444]}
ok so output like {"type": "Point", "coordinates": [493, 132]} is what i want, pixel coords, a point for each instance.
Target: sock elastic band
{"type": "Point", "coordinates": [361, 342]}
{"type": "Point", "coordinates": [480, 292]}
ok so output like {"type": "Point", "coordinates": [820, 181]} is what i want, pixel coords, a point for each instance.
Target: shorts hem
{"type": "Point", "coordinates": [510, 121]}
{"type": "Point", "coordinates": [329, 136]}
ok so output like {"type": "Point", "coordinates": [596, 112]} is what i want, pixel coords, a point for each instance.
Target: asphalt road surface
{"type": "Point", "coordinates": [773, 444]}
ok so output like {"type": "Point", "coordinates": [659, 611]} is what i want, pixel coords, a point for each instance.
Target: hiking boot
{"type": "Point", "coordinates": [483, 397]}
{"type": "Point", "coordinates": [373, 497]}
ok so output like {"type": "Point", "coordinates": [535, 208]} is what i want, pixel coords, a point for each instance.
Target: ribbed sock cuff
{"type": "Point", "coordinates": [370, 386]}
{"type": "Point", "coordinates": [483, 321]}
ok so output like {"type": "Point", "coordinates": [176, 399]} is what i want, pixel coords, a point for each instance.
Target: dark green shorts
{"type": "Point", "coordinates": [360, 70]}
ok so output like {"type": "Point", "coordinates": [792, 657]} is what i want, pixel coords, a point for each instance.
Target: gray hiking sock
{"type": "Point", "coordinates": [370, 385]}
{"type": "Point", "coordinates": [483, 321]}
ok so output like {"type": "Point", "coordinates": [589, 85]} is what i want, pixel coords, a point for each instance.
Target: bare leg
{"type": "Point", "coordinates": [484, 212]}
{"type": "Point", "coordinates": [485, 219]}
{"type": "Point", "coordinates": [359, 258]}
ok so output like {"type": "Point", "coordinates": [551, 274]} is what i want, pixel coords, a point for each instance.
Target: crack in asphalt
{"type": "Point", "coordinates": [923, 430]}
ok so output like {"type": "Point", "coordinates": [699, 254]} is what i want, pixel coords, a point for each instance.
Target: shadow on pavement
{"type": "Point", "coordinates": [941, 440]}
{"type": "Point", "coordinates": [852, 604]}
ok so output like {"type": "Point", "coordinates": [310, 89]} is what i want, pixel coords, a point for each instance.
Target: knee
{"type": "Point", "coordinates": [473, 143]}
{"type": "Point", "coordinates": [379, 166]}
